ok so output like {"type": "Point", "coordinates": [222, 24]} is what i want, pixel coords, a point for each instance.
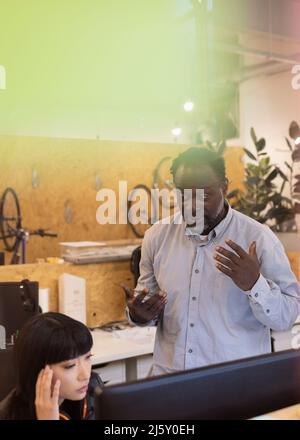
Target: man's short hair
{"type": "Point", "coordinates": [195, 156]}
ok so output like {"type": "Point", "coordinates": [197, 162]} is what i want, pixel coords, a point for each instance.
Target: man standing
{"type": "Point", "coordinates": [215, 291]}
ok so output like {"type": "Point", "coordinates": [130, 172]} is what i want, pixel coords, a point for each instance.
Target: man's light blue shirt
{"type": "Point", "coordinates": [208, 319]}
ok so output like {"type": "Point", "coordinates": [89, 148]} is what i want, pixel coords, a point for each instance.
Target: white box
{"type": "Point", "coordinates": [44, 299]}
{"type": "Point", "coordinates": [72, 296]}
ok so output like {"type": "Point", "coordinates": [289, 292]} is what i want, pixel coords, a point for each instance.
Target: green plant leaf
{"type": "Point", "coordinates": [272, 176]}
{"type": "Point", "coordinates": [296, 155]}
{"type": "Point", "coordinates": [269, 213]}
{"type": "Point", "coordinates": [282, 175]}
{"type": "Point", "coordinates": [276, 198]}
{"type": "Point", "coordinates": [253, 180]}
{"type": "Point", "coordinates": [264, 162]}
{"type": "Point", "coordinates": [296, 188]}
{"type": "Point", "coordinates": [289, 166]}
{"type": "Point", "coordinates": [260, 145]}
{"type": "Point", "coordinates": [294, 130]}
{"type": "Point", "coordinates": [249, 154]}
{"type": "Point", "coordinates": [282, 187]}
{"type": "Point", "coordinates": [289, 144]}
{"type": "Point", "coordinates": [259, 207]}
{"type": "Point", "coordinates": [253, 135]}
{"type": "Point", "coordinates": [221, 148]}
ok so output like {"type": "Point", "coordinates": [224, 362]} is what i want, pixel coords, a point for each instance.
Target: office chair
{"type": "Point", "coordinates": [7, 372]}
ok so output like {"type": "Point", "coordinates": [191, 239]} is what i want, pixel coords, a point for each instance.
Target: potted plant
{"type": "Point", "coordinates": [294, 177]}
{"type": "Point", "coordinates": [261, 198]}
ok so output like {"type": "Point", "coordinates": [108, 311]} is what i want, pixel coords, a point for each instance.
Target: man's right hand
{"type": "Point", "coordinates": [142, 311]}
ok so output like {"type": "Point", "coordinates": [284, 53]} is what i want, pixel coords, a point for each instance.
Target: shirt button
{"type": "Point", "coordinates": [191, 324]}
{"type": "Point", "coordinates": [196, 271]}
{"type": "Point", "coordinates": [256, 295]}
{"type": "Point", "coordinates": [194, 298]}
{"type": "Point", "coordinates": [190, 350]}
{"type": "Point", "coordinates": [268, 311]}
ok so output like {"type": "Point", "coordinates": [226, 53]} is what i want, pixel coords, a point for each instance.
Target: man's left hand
{"type": "Point", "coordinates": [242, 267]}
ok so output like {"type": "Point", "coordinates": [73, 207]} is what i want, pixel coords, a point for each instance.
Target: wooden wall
{"type": "Point", "coordinates": [105, 297]}
{"type": "Point", "coordinates": [65, 172]}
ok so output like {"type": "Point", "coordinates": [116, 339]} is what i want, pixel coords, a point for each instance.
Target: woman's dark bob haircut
{"type": "Point", "coordinates": [46, 339]}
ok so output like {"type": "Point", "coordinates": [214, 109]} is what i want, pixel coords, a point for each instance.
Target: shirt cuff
{"type": "Point", "coordinates": [259, 291]}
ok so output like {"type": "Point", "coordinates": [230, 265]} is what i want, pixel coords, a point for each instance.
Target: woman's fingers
{"type": "Point", "coordinates": [47, 397]}
{"type": "Point", "coordinates": [55, 393]}
{"type": "Point", "coordinates": [38, 385]}
{"type": "Point", "coordinates": [46, 384]}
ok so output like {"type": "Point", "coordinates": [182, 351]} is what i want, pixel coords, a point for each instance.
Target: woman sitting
{"type": "Point", "coordinates": [54, 379]}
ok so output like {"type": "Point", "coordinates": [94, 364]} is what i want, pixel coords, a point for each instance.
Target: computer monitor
{"type": "Point", "coordinates": [236, 390]}
{"type": "Point", "coordinates": [19, 301]}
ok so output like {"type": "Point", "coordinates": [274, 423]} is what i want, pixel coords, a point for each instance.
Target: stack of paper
{"type": "Point", "coordinates": [86, 252]}
{"type": "Point", "coordinates": [80, 248]}
{"type": "Point", "coordinates": [141, 335]}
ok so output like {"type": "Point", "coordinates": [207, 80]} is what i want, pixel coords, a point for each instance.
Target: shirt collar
{"type": "Point", "coordinates": [223, 225]}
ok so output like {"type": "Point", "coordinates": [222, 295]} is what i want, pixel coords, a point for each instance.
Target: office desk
{"type": "Point", "coordinates": [123, 355]}
{"type": "Point", "coordinates": [120, 359]}
{"type": "Point", "coordinates": [290, 413]}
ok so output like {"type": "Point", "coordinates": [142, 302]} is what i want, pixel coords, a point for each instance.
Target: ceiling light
{"type": "Point", "coordinates": [188, 106]}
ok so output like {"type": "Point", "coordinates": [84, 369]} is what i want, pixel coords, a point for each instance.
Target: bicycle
{"type": "Point", "coordinates": [155, 206]}
{"type": "Point", "coordinates": [12, 232]}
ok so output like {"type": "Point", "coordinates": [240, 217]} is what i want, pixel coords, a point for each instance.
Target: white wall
{"type": "Point", "coordinates": [269, 104]}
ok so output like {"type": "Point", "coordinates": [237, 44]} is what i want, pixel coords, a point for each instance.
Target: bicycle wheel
{"type": "Point", "coordinates": [162, 179]}
{"type": "Point", "coordinates": [139, 219]}
{"type": "Point", "coordinates": [10, 218]}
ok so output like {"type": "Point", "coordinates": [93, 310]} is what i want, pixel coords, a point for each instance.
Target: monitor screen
{"type": "Point", "coordinates": [235, 390]}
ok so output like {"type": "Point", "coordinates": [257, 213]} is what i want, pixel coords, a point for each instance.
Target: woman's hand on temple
{"type": "Point", "coordinates": [46, 396]}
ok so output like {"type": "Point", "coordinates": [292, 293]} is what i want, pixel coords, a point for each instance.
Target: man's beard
{"type": "Point", "coordinates": [210, 222]}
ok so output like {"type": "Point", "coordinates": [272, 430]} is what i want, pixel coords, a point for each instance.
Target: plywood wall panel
{"type": "Point", "coordinates": [105, 297]}
{"type": "Point", "coordinates": [66, 170]}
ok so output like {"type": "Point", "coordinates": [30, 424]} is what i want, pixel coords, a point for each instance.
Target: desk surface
{"type": "Point", "coordinates": [290, 413]}
{"type": "Point", "coordinates": [122, 344]}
